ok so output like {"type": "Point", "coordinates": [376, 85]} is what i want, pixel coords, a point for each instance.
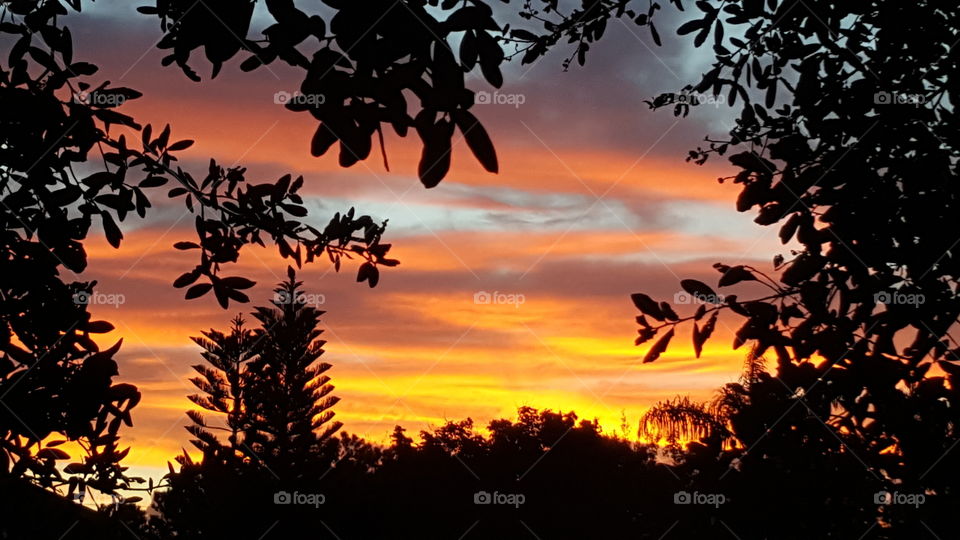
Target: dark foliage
{"type": "Point", "coordinates": [223, 381]}
{"type": "Point", "coordinates": [454, 481]}
{"type": "Point", "coordinates": [54, 379]}
{"type": "Point", "coordinates": [271, 398]}
{"type": "Point", "coordinates": [287, 398]}
{"type": "Point", "coordinates": [359, 69]}
{"type": "Point", "coordinates": [846, 141]}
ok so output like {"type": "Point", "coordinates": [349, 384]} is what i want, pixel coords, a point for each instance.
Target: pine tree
{"type": "Point", "coordinates": [222, 380]}
{"type": "Point", "coordinates": [288, 397]}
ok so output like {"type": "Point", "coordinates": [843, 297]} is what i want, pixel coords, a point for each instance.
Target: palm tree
{"type": "Point", "coordinates": [682, 419]}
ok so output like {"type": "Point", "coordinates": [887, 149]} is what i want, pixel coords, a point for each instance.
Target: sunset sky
{"type": "Point", "coordinates": [594, 201]}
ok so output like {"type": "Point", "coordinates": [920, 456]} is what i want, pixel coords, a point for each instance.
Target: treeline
{"type": "Point", "coordinates": [757, 461]}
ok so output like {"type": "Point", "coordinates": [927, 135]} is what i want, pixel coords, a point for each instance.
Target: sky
{"type": "Point", "coordinates": [593, 202]}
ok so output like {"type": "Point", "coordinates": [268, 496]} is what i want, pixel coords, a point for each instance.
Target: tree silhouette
{"type": "Point", "coordinates": [288, 399]}
{"type": "Point", "coordinates": [53, 376]}
{"type": "Point", "coordinates": [224, 383]}
{"type": "Point", "coordinates": [845, 141]}
{"type": "Point", "coordinates": [275, 398]}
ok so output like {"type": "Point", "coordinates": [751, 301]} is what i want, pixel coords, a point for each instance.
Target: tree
{"type": "Point", "coordinates": [288, 399]}
{"type": "Point", "coordinates": [275, 398]}
{"type": "Point", "coordinates": [224, 383]}
{"type": "Point", "coordinates": [846, 141]}
{"type": "Point", "coordinates": [54, 379]}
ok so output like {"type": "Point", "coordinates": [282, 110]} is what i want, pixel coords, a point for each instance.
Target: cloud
{"type": "Point", "coordinates": [593, 202]}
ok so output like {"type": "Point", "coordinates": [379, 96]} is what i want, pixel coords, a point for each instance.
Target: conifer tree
{"type": "Point", "coordinates": [222, 380]}
{"type": "Point", "coordinates": [288, 399]}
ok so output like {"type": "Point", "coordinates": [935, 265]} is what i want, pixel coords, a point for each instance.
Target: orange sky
{"type": "Point", "coordinates": [594, 201]}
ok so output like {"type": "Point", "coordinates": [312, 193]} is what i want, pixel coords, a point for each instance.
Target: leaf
{"type": "Point", "coordinates": [804, 267]}
{"type": "Point", "coordinates": [658, 348]}
{"type": "Point", "coordinates": [186, 279]}
{"type": "Point", "coordinates": [369, 273]}
{"type": "Point", "coordinates": [645, 334]}
{"type": "Point", "coordinates": [702, 36]}
{"type": "Point", "coordinates": [152, 181]}
{"type": "Point", "coordinates": [468, 50]}
{"type": "Point", "coordinates": [83, 68]}
{"type": "Point", "coordinates": [186, 245]}
{"type": "Point", "coordinates": [689, 27]}
{"type": "Point", "coordinates": [735, 275]}
{"type": "Point", "coordinates": [66, 46]}
{"type": "Point", "coordinates": [647, 305]}
{"type": "Point", "coordinates": [699, 290]}
{"type": "Point", "coordinates": [701, 335]}
{"type": "Point", "coordinates": [490, 57]}
{"type": "Point", "coordinates": [294, 209]}
{"type": "Point", "coordinates": [198, 290]}
{"type": "Point", "coordinates": [52, 453]}
{"type": "Point", "coordinates": [668, 312]}
{"type": "Point", "coordinates": [435, 156]}
{"type": "Point", "coordinates": [111, 230]}
{"type": "Point", "coordinates": [180, 145]}
{"type": "Point", "coordinates": [75, 468]}
{"type": "Point", "coordinates": [788, 228]}
{"type": "Point", "coordinates": [522, 34]}
{"type": "Point", "coordinates": [98, 327]}
{"type": "Point", "coordinates": [477, 139]}
{"type": "Point", "coordinates": [771, 97]}
{"type": "Point", "coordinates": [655, 35]}
{"type": "Point", "coordinates": [251, 63]}
{"type": "Point", "coordinates": [237, 282]}
{"type": "Point", "coordinates": [222, 293]}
